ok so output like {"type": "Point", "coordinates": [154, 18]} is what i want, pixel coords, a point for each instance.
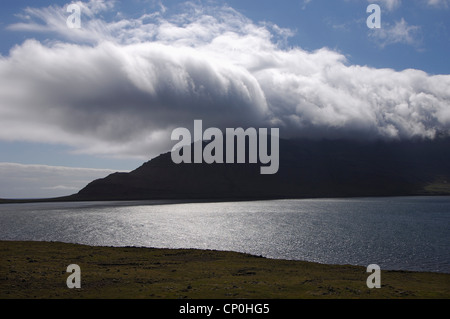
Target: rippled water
{"type": "Point", "coordinates": [410, 233]}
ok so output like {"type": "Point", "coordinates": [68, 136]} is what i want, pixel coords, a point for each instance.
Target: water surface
{"type": "Point", "coordinates": [408, 233]}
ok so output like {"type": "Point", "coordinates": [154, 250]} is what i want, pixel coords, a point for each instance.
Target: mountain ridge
{"type": "Point", "coordinates": [325, 168]}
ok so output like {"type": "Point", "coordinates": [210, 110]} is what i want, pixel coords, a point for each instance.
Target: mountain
{"type": "Point", "coordinates": [307, 168]}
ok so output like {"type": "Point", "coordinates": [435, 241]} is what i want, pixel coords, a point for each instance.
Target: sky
{"type": "Point", "coordinates": [79, 103]}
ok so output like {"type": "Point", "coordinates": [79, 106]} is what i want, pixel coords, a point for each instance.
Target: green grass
{"type": "Point", "coordinates": [38, 270]}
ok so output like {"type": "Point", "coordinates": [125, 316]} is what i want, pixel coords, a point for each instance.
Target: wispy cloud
{"type": "Point", "coordinates": [388, 4]}
{"type": "Point", "coordinates": [53, 19]}
{"type": "Point", "coordinates": [399, 32]}
{"type": "Point", "coordinates": [119, 87]}
{"type": "Point", "coordinates": [305, 4]}
{"type": "Point", "coordinates": [392, 5]}
{"type": "Point", "coordinates": [439, 3]}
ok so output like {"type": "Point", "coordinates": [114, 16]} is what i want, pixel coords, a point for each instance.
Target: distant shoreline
{"type": "Point", "coordinates": [73, 199]}
{"type": "Point", "coordinates": [37, 270]}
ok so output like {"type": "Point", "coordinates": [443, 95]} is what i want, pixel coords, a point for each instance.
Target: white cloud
{"type": "Point", "coordinates": [42, 181]}
{"type": "Point", "coordinates": [120, 87]}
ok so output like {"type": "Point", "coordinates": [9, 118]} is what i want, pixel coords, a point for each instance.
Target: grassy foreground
{"type": "Point", "coordinates": [38, 270]}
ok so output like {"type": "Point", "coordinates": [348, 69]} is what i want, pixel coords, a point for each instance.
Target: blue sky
{"type": "Point", "coordinates": [341, 25]}
{"type": "Point", "coordinates": [308, 48]}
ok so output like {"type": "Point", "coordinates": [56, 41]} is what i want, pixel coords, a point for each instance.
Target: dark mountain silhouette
{"type": "Point", "coordinates": [307, 169]}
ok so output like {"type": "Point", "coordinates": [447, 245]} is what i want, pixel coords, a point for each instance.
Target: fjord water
{"type": "Point", "coordinates": [401, 233]}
